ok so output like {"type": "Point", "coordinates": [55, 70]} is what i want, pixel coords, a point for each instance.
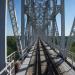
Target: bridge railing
{"type": "Point", "coordinates": [10, 65]}
{"type": "Point", "coordinates": [71, 58]}
{"type": "Point", "coordinates": [71, 55]}
{"type": "Point", "coordinates": [11, 57]}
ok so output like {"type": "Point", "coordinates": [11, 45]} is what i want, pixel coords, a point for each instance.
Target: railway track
{"type": "Point", "coordinates": [37, 66]}
{"type": "Point", "coordinates": [51, 67]}
{"type": "Point", "coordinates": [42, 63]}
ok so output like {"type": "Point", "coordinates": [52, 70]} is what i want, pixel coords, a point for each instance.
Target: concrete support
{"type": "Point", "coordinates": [2, 34]}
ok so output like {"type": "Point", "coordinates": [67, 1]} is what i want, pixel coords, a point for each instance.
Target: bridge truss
{"type": "Point", "coordinates": [41, 22]}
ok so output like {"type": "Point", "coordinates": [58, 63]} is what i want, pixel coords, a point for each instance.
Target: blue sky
{"type": "Point", "coordinates": [69, 17]}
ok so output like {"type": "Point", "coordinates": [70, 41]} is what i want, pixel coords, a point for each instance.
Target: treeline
{"type": "Point", "coordinates": [11, 44]}
{"type": "Point", "coordinates": [73, 47]}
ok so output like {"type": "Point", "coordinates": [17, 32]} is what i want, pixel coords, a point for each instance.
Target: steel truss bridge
{"type": "Point", "coordinates": [41, 29]}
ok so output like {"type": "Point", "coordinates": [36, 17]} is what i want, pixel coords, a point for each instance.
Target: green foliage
{"type": "Point", "coordinates": [11, 44]}
{"type": "Point", "coordinates": [73, 44]}
{"type": "Point", "coordinates": [73, 47]}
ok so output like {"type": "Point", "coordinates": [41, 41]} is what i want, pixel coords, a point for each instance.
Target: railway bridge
{"type": "Point", "coordinates": [41, 49]}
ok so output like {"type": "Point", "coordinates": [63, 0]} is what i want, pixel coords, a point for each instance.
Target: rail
{"type": "Point", "coordinates": [51, 67]}
{"type": "Point", "coordinates": [71, 58]}
{"type": "Point", "coordinates": [11, 56]}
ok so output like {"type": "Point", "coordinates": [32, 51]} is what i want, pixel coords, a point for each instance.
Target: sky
{"type": "Point", "coordinates": [69, 17]}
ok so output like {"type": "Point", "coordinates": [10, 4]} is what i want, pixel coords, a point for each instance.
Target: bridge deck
{"type": "Point", "coordinates": [25, 64]}
{"type": "Point", "coordinates": [62, 67]}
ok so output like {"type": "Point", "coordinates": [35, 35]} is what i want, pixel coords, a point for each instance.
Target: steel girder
{"type": "Point", "coordinates": [55, 10]}
{"type": "Point", "coordinates": [2, 36]}
{"type": "Point", "coordinates": [71, 37]}
{"type": "Point", "coordinates": [29, 9]}
{"type": "Point", "coordinates": [39, 18]}
{"type": "Point", "coordinates": [59, 9]}
{"type": "Point", "coordinates": [12, 14]}
{"type": "Point", "coordinates": [63, 51]}
{"type": "Point", "coordinates": [22, 25]}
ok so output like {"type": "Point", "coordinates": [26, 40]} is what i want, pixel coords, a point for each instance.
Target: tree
{"type": "Point", "coordinates": [11, 44]}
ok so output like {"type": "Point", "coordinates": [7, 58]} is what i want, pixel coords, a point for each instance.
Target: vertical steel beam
{"type": "Point", "coordinates": [53, 21]}
{"type": "Point", "coordinates": [53, 35]}
{"type": "Point", "coordinates": [2, 34]}
{"type": "Point", "coordinates": [22, 24]}
{"type": "Point", "coordinates": [63, 51]}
